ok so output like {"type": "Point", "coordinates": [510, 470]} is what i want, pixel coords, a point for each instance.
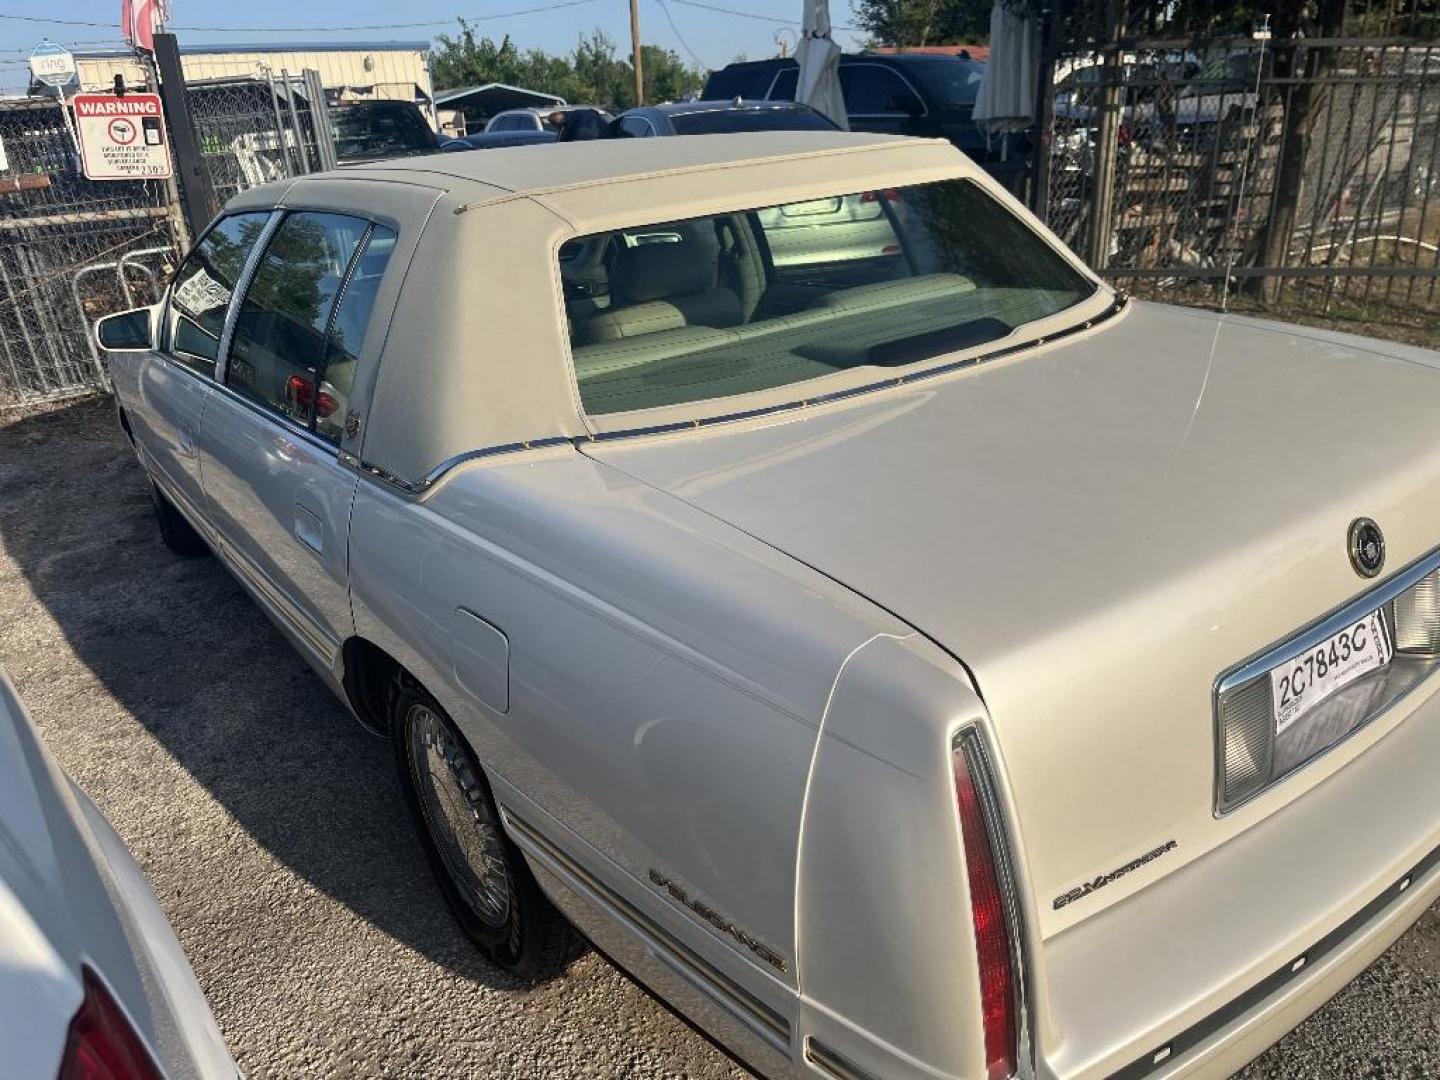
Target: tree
{"type": "Point", "coordinates": [924, 22]}
{"type": "Point", "coordinates": [592, 73]}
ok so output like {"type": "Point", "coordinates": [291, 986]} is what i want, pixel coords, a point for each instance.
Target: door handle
{"type": "Point", "coordinates": [309, 530]}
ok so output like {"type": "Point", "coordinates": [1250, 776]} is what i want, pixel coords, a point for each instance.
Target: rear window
{"type": "Point", "coordinates": [720, 121]}
{"type": "Point", "coordinates": [752, 300]}
{"type": "Point", "coordinates": [378, 130]}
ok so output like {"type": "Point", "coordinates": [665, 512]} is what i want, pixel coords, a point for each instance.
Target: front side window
{"type": "Point", "coordinates": [736, 303]}
{"type": "Point", "coordinates": [201, 293]}
{"type": "Point", "coordinates": [873, 90]}
{"type": "Point", "coordinates": [289, 339]}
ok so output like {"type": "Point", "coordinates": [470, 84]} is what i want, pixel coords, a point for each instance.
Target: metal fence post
{"type": "Point", "coordinates": [197, 194]}
{"type": "Point", "coordinates": [1107, 142]}
{"type": "Point", "coordinates": [320, 119]}
{"type": "Point", "coordinates": [302, 151]}
{"type": "Point", "coordinates": [1044, 118]}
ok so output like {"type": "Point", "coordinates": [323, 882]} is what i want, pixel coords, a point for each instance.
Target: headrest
{"type": "Point", "coordinates": [656, 271]}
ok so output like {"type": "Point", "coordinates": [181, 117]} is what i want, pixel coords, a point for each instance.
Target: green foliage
{"type": "Point", "coordinates": [924, 22]}
{"type": "Point", "coordinates": [591, 74]}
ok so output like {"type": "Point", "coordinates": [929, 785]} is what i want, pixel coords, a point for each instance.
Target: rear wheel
{"type": "Point", "coordinates": [484, 877]}
{"type": "Point", "coordinates": [176, 533]}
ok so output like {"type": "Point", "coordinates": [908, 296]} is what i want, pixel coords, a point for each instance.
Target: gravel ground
{"type": "Point", "coordinates": [272, 829]}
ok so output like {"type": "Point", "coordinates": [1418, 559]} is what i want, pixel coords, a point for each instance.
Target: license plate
{"type": "Point", "coordinates": [1301, 684]}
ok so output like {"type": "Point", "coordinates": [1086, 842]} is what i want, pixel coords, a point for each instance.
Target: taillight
{"type": "Point", "coordinates": [302, 398]}
{"type": "Point", "coordinates": [101, 1044]}
{"type": "Point", "coordinates": [988, 911]}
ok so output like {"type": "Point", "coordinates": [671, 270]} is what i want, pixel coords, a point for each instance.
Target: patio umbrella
{"type": "Point", "coordinates": [1006, 101]}
{"type": "Point", "coordinates": [819, 57]}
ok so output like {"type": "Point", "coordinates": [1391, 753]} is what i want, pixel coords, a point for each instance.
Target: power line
{"type": "Point", "coordinates": [315, 29]}
{"type": "Point", "coordinates": [771, 19]}
{"type": "Point", "coordinates": [679, 36]}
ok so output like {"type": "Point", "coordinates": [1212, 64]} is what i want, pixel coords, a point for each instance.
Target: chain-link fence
{"type": "Point", "coordinates": [73, 249]}
{"type": "Point", "coordinates": [1291, 178]}
{"type": "Point", "coordinates": [70, 251]}
{"type": "Point", "coordinates": [260, 128]}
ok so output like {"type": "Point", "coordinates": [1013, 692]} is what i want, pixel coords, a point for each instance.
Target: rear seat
{"type": "Point", "coordinates": [605, 357]}
{"type": "Point", "coordinates": [903, 291]}
{"type": "Point", "coordinates": [671, 337]}
{"type": "Point", "coordinates": [661, 287]}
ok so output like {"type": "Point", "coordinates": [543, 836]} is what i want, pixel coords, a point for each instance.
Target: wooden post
{"type": "Point", "coordinates": [635, 52]}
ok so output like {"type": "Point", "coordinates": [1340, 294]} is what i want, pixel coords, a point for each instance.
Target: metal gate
{"type": "Point", "coordinates": [73, 249]}
{"type": "Point", "coordinates": [1224, 177]}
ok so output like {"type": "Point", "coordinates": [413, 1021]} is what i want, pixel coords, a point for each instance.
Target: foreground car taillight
{"type": "Point", "coordinates": [102, 1045]}
{"type": "Point", "coordinates": [991, 907]}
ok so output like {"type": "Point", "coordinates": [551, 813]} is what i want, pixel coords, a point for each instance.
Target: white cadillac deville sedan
{"type": "Point", "coordinates": [907, 657]}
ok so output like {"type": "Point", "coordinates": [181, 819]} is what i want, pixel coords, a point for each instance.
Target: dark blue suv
{"type": "Point", "coordinates": [901, 94]}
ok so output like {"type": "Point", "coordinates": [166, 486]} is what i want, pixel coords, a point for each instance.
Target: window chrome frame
{"type": "Point", "coordinates": [1299, 643]}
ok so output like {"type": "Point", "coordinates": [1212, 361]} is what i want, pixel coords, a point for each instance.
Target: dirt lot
{"type": "Point", "coordinates": [271, 826]}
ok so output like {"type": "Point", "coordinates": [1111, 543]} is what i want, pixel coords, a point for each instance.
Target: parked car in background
{"type": "Point", "coordinates": [718, 118]}
{"type": "Point", "coordinates": [367, 131]}
{"type": "Point", "coordinates": [886, 659]}
{"type": "Point", "coordinates": [93, 983]}
{"type": "Point", "coordinates": [490, 140]}
{"type": "Point", "coordinates": [894, 93]}
{"type": "Point", "coordinates": [534, 119]}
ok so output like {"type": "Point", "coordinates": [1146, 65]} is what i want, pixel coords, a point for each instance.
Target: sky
{"type": "Point", "coordinates": [706, 37]}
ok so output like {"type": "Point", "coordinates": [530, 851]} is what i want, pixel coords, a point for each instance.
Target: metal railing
{"type": "Point", "coordinates": [1286, 176]}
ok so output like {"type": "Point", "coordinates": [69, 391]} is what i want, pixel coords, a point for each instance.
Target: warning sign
{"type": "Point", "coordinates": [122, 138]}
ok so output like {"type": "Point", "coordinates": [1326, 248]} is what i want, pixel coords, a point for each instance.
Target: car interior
{"type": "Point", "coordinates": [702, 308]}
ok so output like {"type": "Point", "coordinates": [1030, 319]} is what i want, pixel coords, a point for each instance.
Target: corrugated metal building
{"type": "Point", "coordinates": [350, 70]}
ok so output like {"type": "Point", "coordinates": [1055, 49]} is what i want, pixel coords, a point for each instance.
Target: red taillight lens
{"type": "Point", "coordinates": [992, 934]}
{"type": "Point", "coordinates": [102, 1045]}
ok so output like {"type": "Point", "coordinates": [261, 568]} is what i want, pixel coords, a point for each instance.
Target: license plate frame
{"type": "Point", "coordinates": [1304, 682]}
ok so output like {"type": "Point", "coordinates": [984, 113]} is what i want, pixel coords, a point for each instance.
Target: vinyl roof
{"type": "Point", "coordinates": [553, 166]}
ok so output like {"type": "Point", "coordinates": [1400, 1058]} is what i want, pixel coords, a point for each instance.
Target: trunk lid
{"type": "Point", "coordinates": [1098, 529]}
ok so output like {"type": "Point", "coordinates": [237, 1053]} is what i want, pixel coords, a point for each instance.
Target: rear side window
{"type": "Point", "coordinates": [202, 290]}
{"type": "Point", "coordinates": [303, 317]}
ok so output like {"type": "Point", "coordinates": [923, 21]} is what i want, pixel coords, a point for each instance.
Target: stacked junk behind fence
{"type": "Point", "coordinates": [1171, 168]}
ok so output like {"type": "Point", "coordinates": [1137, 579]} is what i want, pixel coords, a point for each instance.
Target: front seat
{"type": "Point", "coordinates": [663, 286]}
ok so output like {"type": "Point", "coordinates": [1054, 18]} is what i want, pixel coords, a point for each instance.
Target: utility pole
{"type": "Point", "coordinates": [635, 52]}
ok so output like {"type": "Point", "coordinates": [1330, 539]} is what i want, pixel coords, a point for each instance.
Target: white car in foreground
{"type": "Point", "coordinates": [93, 983]}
